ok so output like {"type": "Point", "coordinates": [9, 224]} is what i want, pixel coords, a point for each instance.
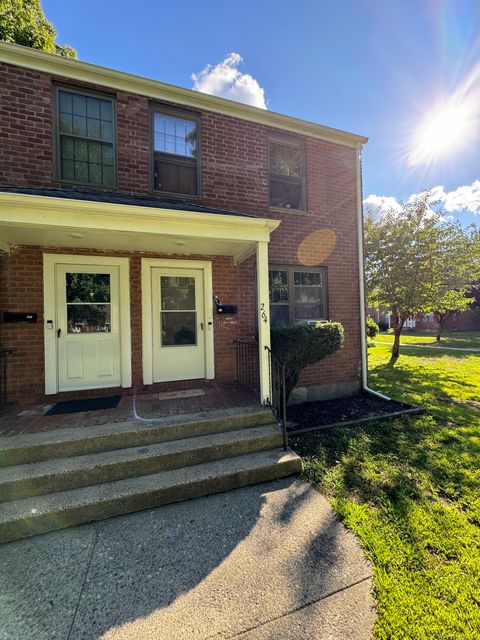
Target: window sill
{"type": "Point", "coordinates": [288, 210]}
{"type": "Point", "coordinates": [174, 196]}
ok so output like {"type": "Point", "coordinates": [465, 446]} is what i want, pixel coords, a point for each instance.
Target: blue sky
{"type": "Point", "coordinates": [375, 67]}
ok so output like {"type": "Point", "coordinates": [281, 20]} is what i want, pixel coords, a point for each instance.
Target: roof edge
{"type": "Point", "coordinates": [87, 72]}
{"type": "Point", "coordinates": [53, 203]}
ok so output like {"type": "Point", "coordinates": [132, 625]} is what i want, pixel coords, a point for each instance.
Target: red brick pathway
{"type": "Point", "coordinates": [16, 419]}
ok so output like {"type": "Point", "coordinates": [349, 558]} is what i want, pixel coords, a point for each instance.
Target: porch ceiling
{"type": "Point", "coordinates": [57, 222]}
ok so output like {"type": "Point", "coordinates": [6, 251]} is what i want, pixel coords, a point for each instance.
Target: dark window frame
{"type": "Point", "coordinates": [186, 114]}
{"type": "Point", "coordinates": [292, 142]}
{"type": "Point", "coordinates": [291, 269]}
{"type": "Point", "coordinates": [57, 160]}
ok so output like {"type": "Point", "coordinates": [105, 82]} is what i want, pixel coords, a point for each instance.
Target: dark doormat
{"type": "Point", "coordinates": [89, 404]}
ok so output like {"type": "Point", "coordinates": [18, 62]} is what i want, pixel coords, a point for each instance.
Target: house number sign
{"type": "Point", "coordinates": [263, 313]}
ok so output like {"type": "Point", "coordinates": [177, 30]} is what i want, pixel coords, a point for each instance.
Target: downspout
{"type": "Point", "coordinates": [361, 279]}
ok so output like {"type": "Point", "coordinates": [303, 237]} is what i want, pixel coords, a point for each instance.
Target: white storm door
{"type": "Point", "coordinates": [178, 324]}
{"type": "Point", "coordinates": [88, 327]}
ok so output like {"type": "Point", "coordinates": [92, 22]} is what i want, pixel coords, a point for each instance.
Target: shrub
{"type": "Point", "coordinates": [300, 345]}
{"type": "Point", "coordinates": [372, 328]}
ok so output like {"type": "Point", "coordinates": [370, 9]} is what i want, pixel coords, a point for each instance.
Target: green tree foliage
{"type": "Point", "coordinates": [458, 268]}
{"type": "Point", "coordinates": [417, 262]}
{"type": "Point", "coordinates": [23, 22]}
{"type": "Point", "coordinates": [372, 328]}
{"type": "Point", "coordinates": [402, 252]}
{"type": "Point", "coordinates": [300, 345]}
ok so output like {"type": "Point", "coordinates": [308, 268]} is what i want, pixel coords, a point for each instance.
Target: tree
{"type": "Point", "coordinates": [459, 267]}
{"type": "Point", "coordinates": [402, 250]}
{"type": "Point", "coordinates": [23, 22]}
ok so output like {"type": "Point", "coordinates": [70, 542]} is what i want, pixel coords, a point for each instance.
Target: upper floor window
{"type": "Point", "coordinates": [297, 295]}
{"type": "Point", "coordinates": [85, 138]}
{"type": "Point", "coordinates": [175, 152]}
{"type": "Point", "coordinates": [287, 175]}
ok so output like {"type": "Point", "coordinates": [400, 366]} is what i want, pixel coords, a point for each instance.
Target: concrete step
{"type": "Point", "coordinates": [60, 474]}
{"type": "Point", "coordinates": [30, 516]}
{"type": "Point", "coordinates": [77, 441]}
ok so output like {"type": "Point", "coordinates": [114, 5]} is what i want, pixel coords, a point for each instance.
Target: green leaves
{"type": "Point", "coordinates": [300, 345]}
{"type": "Point", "coordinates": [23, 22]}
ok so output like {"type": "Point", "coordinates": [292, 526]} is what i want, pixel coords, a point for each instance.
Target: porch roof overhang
{"type": "Point", "coordinates": [27, 219]}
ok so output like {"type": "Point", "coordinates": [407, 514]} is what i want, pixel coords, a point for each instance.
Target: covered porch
{"type": "Point", "coordinates": [114, 225]}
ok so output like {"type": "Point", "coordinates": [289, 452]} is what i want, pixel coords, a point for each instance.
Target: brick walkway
{"type": "Point", "coordinates": [16, 419]}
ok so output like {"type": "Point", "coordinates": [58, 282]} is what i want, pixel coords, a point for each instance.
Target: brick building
{"type": "Point", "coordinates": [127, 206]}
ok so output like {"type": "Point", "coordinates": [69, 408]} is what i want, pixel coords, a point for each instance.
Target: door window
{"type": "Point", "coordinates": [88, 302]}
{"type": "Point", "coordinates": [178, 313]}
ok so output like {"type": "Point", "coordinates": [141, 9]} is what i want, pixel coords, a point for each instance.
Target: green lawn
{"type": "Point", "coordinates": [449, 339]}
{"type": "Point", "coordinates": [410, 490]}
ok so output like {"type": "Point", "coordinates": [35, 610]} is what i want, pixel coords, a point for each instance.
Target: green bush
{"type": "Point", "coordinates": [372, 328]}
{"type": "Point", "coordinates": [300, 345]}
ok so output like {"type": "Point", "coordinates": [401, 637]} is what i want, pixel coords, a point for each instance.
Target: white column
{"type": "Point", "coordinates": [263, 319]}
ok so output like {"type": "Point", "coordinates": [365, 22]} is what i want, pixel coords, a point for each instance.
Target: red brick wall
{"type": "Point", "coordinates": [234, 176]}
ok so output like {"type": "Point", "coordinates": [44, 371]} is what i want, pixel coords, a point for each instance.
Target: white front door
{"type": "Point", "coordinates": [87, 326]}
{"type": "Point", "coordinates": [178, 324]}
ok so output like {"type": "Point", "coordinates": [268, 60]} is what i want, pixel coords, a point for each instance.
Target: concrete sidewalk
{"type": "Point", "coordinates": [440, 347]}
{"type": "Point", "coordinates": [267, 562]}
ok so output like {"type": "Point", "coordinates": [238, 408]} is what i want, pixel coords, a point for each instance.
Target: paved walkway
{"type": "Point", "coordinates": [268, 562]}
{"type": "Point", "coordinates": [432, 346]}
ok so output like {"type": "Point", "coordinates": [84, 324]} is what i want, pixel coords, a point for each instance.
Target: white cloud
{"type": "Point", "coordinates": [377, 205]}
{"type": "Point", "coordinates": [226, 81]}
{"type": "Point", "coordinates": [466, 198]}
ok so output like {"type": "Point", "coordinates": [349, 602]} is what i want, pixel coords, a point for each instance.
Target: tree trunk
{"type": "Point", "coordinates": [397, 330]}
{"type": "Point", "coordinates": [441, 318]}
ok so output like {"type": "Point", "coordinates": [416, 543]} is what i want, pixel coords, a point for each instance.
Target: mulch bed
{"type": "Point", "coordinates": [319, 414]}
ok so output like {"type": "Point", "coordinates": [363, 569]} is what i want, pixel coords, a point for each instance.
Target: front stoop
{"type": "Point", "coordinates": [59, 479]}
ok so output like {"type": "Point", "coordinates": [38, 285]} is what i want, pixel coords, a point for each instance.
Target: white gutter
{"type": "Point", "coordinates": [361, 280]}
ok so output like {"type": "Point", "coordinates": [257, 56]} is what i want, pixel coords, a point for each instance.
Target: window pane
{"type": "Point", "coordinates": [93, 108]}
{"type": "Point", "coordinates": [308, 278]}
{"type": "Point", "coordinates": [88, 318]}
{"type": "Point", "coordinates": [81, 150]}
{"type": "Point", "coordinates": [65, 101]}
{"type": "Point", "coordinates": [278, 283]}
{"type": "Point", "coordinates": [95, 152]}
{"type": "Point", "coordinates": [286, 194]}
{"type": "Point", "coordinates": [66, 148]}
{"type": "Point", "coordinates": [175, 178]}
{"type": "Point", "coordinates": [178, 328]}
{"type": "Point", "coordinates": [68, 170]}
{"type": "Point", "coordinates": [88, 287]}
{"type": "Point", "coordinates": [95, 173]}
{"type": "Point", "coordinates": [174, 135]}
{"type": "Point", "coordinates": [177, 292]}
{"type": "Point", "coordinates": [66, 123]}
{"type": "Point", "coordinates": [309, 295]}
{"type": "Point", "coordinates": [286, 159]}
{"type": "Point", "coordinates": [79, 125]}
{"type": "Point", "coordinates": [108, 176]}
{"type": "Point", "coordinates": [309, 311]}
{"type": "Point", "coordinates": [79, 105]}
{"type": "Point", "coordinates": [279, 314]}
{"type": "Point", "coordinates": [107, 154]}
{"type": "Point", "coordinates": [106, 111]}
{"type": "Point", "coordinates": [106, 131]}
{"type": "Point", "coordinates": [93, 128]}
{"type": "Point", "coordinates": [81, 171]}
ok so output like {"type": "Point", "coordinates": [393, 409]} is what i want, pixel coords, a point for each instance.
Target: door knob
{"type": "Point", "coordinates": [59, 331]}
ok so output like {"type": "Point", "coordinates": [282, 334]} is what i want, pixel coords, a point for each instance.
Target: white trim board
{"type": "Point", "coordinates": [50, 260]}
{"type": "Point", "coordinates": [147, 323]}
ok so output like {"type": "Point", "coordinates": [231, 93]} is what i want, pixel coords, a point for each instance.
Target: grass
{"type": "Point", "coordinates": [464, 339]}
{"type": "Point", "coordinates": [410, 490]}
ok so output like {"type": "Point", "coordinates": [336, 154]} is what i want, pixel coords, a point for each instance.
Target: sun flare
{"type": "Point", "coordinates": [441, 132]}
